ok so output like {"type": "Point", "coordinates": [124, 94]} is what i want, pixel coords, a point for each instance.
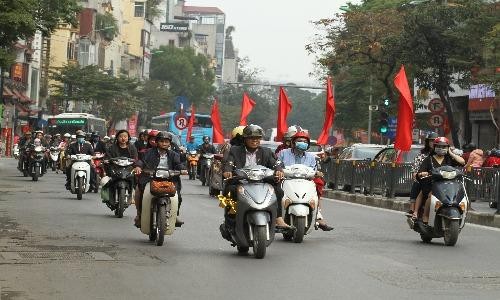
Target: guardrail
{"type": "Point", "coordinates": [391, 179]}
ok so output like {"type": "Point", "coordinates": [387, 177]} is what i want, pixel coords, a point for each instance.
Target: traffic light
{"type": "Point", "coordinates": [386, 102]}
{"type": "Point", "coordinates": [383, 125]}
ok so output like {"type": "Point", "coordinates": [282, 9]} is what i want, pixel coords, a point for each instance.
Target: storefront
{"type": "Point", "coordinates": [483, 117]}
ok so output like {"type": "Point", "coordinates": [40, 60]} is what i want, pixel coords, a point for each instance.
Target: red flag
{"type": "Point", "coordinates": [284, 107]}
{"type": "Point", "coordinates": [247, 105]}
{"type": "Point", "coordinates": [405, 112]}
{"type": "Point", "coordinates": [190, 124]}
{"type": "Point", "coordinates": [329, 113]}
{"type": "Point", "coordinates": [218, 133]}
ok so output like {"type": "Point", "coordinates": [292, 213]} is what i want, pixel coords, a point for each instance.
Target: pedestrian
{"type": "Point", "coordinates": [476, 158]}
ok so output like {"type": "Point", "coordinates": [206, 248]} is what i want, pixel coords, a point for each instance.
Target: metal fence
{"type": "Point", "coordinates": [390, 179]}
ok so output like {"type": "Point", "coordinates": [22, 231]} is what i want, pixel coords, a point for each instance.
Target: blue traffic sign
{"type": "Point", "coordinates": [393, 123]}
{"type": "Point", "coordinates": [181, 101]}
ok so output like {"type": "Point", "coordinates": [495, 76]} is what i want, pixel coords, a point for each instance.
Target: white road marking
{"type": "Point", "coordinates": [402, 213]}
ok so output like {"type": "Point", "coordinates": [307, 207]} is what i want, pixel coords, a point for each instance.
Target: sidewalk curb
{"type": "Point", "coordinates": [474, 217]}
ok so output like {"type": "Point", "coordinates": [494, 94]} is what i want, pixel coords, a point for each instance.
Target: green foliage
{"type": "Point", "coordinates": [107, 26]}
{"type": "Point", "coordinates": [20, 19]}
{"type": "Point", "coordinates": [187, 74]}
{"type": "Point", "coordinates": [154, 98]}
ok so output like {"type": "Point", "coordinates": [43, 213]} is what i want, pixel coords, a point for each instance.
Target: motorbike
{"type": "Point", "coordinates": [23, 164]}
{"type": "Point", "coordinates": [117, 188]}
{"type": "Point", "coordinates": [159, 205]}
{"type": "Point", "coordinates": [206, 162]}
{"type": "Point", "coordinates": [80, 174]}
{"type": "Point", "coordinates": [15, 151]}
{"type": "Point", "coordinates": [36, 162]}
{"type": "Point", "coordinates": [54, 157]}
{"type": "Point", "coordinates": [192, 159]}
{"type": "Point", "coordinates": [251, 213]}
{"type": "Point", "coordinates": [300, 201]}
{"type": "Point", "coordinates": [215, 182]}
{"type": "Point", "coordinates": [98, 158]}
{"type": "Point", "coordinates": [448, 207]}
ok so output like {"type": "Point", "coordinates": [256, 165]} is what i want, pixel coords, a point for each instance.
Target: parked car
{"type": "Point", "coordinates": [389, 154]}
{"type": "Point", "coordinates": [361, 152]}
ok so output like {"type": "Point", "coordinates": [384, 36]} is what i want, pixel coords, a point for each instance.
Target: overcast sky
{"type": "Point", "coordinates": [273, 33]}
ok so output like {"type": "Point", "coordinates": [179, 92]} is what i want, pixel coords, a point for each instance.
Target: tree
{"type": "Point", "coordinates": [443, 43]}
{"type": "Point", "coordinates": [20, 19]}
{"type": "Point", "coordinates": [154, 98]}
{"type": "Point", "coordinates": [187, 74]}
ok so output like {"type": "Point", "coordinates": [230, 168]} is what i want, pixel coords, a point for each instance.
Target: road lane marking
{"type": "Point", "coordinates": [402, 213]}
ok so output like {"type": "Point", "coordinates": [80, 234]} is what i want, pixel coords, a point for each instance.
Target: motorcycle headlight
{"type": "Point", "coordinates": [123, 162]}
{"type": "Point", "coordinates": [448, 174]}
{"type": "Point", "coordinates": [256, 175]}
{"type": "Point", "coordinates": [162, 174]}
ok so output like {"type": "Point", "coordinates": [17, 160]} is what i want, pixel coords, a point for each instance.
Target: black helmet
{"type": "Point", "coordinates": [164, 135]}
{"type": "Point", "coordinates": [94, 134]}
{"type": "Point", "coordinates": [432, 136]}
{"type": "Point", "coordinates": [253, 131]}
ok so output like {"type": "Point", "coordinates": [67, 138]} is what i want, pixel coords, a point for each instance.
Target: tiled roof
{"type": "Point", "coordinates": [202, 10]}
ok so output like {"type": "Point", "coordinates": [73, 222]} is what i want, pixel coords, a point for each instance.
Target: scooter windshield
{"type": "Point", "coordinates": [448, 192]}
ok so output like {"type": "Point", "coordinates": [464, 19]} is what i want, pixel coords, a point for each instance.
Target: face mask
{"type": "Point", "coordinates": [441, 151]}
{"type": "Point", "coordinates": [80, 140]}
{"type": "Point", "coordinates": [302, 146]}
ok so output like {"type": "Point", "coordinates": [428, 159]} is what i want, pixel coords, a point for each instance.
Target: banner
{"type": "Point", "coordinates": [132, 125]}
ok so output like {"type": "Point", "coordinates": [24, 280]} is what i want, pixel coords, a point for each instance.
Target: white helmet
{"type": "Point", "coordinates": [292, 130]}
{"type": "Point", "coordinates": [106, 138]}
{"type": "Point", "coordinates": [67, 135]}
{"type": "Point", "coordinates": [73, 136]}
{"type": "Point", "coordinates": [37, 142]}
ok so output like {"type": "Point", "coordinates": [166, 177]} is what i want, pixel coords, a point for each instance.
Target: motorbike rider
{"type": "Point", "coordinates": [150, 161]}
{"type": "Point", "coordinates": [152, 138]}
{"type": "Point", "coordinates": [97, 144]}
{"type": "Point", "coordinates": [298, 154]}
{"type": "Point", "coordinates": [64, 143]}
{"type": "Point", "coordinates": [252, 154]}
{"type": "Point", "coordinates": [287, 138]}
{"type": "Point", "coordinates": [191, 145]}
{"type": "Point", "coordinates": [80, 147]}
{"type": "Point", "coordinates": [426, 151]}
{"type": "Point", "coordinates": [442, 156]}
{"type": "Point", "coordinates": [39, 135]}
{"type": "Point", "coordinates": [122, 147]}
{"type": "Point", "coordinates": [23, 143]}
{"type": "Point", "coordinates": [142, 143]}
{"type": "Point", "coordinates": [205, 148]}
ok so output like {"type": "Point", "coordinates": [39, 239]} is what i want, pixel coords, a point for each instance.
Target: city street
{"type": "Point", "coordinates": [53, 246]}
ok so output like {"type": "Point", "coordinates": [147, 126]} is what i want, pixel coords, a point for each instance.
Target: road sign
{"type": "Point", "coordinates": [415, 134]}
{"type": "Point", "coordinates": [393, 123]}
{"type": "Point", "coordinates": [181, 101]}
{"type": "Point", "coordinates": [181, 122]}
{"type": "Point", "coordinates": [436, 105]}
{"type": "Point", "coordinates": [372, 107]}
{"type": "Point", "coordinates": [436, 120]}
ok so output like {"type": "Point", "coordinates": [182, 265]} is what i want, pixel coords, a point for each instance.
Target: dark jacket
{"type": "Point", "coordinates": [237, 158]}
{"type": "Point", "coordinates": [84, 148]}
{"type": "Point", "coordinates": [151, 160]}
{"type": "Point", "coordinates": [206, 148]}
{"type": "Point", "coordinates": [113, 151]}
{"type": "Point", "coordinates": [99, 147]}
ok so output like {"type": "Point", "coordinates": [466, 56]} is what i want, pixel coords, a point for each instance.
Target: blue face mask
{"type": "Point", "coordinates": [301, 146]}
{"type": "Point", "coordinates": [80, 140]}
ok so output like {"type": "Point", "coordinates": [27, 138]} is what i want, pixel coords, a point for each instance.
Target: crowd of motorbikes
{"type": "Point", "coordinates": [254, 206]}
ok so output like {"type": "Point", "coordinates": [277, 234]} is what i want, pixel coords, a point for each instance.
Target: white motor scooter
{"type": "Point", "coordinates": [300, 201]}
{"type": "Point", "coordinates": [54, 157]}
{"type": "Point", "coordinates": [80, 174]}
{"type": "Point", "coordinates": [16, 151]}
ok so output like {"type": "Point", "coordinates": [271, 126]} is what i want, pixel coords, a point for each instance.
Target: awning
{"type": "Point", "coordinates": [21, 97]}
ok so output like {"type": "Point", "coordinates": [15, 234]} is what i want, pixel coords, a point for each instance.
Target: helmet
{"type": "Point", "coordinates": [302, 134]}
{"type": "Point", "coordinates": [292, 130]}
{"type": "Point", "coordinates": [441, 141]}
{"type": "Point", "coordinates": [94, 134]}
{"type": "Point", "coordinates": [67, 135]}
{"type": "Point", "coordinates": [253, 131]}
{"type": "Point", "coordinates": [153, 133]}
{"type": "Point", "coordinates": [164, 135]}
{"type": "Point", "coordinates": [432, 136]}
{"type": "Point", "coordinates": [237, 131]}
{"type": "Point", "coordinates": [106, 138]}
{"type": "Point", "coordinates": [38, 131]}
{"type": "Point", "coordinates": [80, 133]}
{"type": "Point", "coordinates": [57, 134]}
{"type": "Point", "coordinates": [73, 136]}
{"type": "Point", "coordinates": [27, 133]}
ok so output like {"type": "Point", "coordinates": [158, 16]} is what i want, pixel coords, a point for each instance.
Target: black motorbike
{"type": "Point", "coordinates": [37, 162]}
{"type": "Point", "coordinates": [23, 165]}
{"type": "Point", "coordinates": [251, 213]}
{"type": "Point", "coordinates": [205, 164]}
{"type": "Point", "coordinates": [117, 191]}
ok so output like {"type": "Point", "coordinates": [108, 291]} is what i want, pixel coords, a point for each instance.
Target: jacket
{"type": "Point", "coordinates": [151, 160]}
{"type": "Point", "coordinates": [476, 159]}
{"type": "Point", "coordinates": [113, 151]}
{"type": "Point", "coordinates": [85, 148]}
{"type": "Point", "coordinates": [264, 157]}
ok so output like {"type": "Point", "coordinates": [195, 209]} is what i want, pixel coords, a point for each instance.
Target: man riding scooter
{"type": "Point", "coordinates": [298, 154]}
{"type": "Point", "coordinates": [80, 147]}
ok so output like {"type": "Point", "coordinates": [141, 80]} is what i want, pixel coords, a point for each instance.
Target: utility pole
{"type": "Point", "coordinates": [370, 111]}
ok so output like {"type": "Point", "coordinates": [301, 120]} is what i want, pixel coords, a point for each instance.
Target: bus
{"type": "Point", "coordinates": [202, 126]}
{"type": "Point", "coordinates": [71, 122]}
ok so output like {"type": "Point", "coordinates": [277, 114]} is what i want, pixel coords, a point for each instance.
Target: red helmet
{"type": "Point", "coordinates": [302, 134]}
{"type": "Point", "coordinates": [441, 141]}
{"type": "Point", "coordinates": [153, 133]}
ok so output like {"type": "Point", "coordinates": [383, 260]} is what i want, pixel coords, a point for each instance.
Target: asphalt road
{"type": "Point", "coordinates": [53, 246]}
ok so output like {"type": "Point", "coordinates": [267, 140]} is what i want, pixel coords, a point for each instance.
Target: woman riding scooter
{"type": "Point", "coordinates": [442, 156]}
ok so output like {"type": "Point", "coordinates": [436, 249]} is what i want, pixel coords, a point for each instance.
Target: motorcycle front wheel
{"type": "Point", "coordinates": [259, 241]}
{"type": "Point", "coordinates": [161, 218]}
{"type": "Point", "coordinates": [451, 230]}
{"type": "Point", "coordinates": [79, 192]}
{"type": "Point", "coordinates": [300, 224]}
{"type": "Point", "coordinates": [36, 173]}
{"type": "Point", "coordinates": [121, 203]}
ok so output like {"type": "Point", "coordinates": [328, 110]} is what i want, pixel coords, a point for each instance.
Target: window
{"type": "Point", "coordinates": [139, 8]}
{"type": "Point", "coordinates": [220, 19]}
{"type": "Point", "coordinates": [71, 51]}
{"type": "Point", "coordinates": [144, 38]}
{"type": "Point", "coordinates": [84, 53]}
{"type": "Point", "coordinates": [208, 20]}
{"type": "Point", "coordinates": [171, 43]}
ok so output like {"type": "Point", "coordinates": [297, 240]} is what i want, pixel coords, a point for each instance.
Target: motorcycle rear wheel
{"type": "Point", "coordinates": [259, 241]}
{"type": "Point", "coordinates": [121, 202]}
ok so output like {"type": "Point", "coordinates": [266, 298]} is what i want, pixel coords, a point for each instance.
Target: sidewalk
{"type": "Point", "coordinates": [480, 213]}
